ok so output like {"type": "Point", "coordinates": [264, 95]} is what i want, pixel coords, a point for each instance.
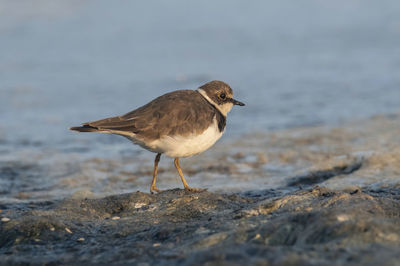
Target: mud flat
{"type": "Point", "coordinates": [308, 227]}
{"type": "Point", "coordinates": [320, 196]}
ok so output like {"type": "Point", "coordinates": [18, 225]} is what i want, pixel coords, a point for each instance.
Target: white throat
{"type": "Point", "coordinates": [224, 108]}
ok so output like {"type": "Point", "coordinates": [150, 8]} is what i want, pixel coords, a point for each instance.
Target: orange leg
{"type": "Point", "coordinates": [185, 184]}
{"type": "Point", "coordinates": [153, 183]}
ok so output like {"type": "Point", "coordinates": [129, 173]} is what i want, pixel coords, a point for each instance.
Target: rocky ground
{"type": "Point", "coordinates": [320, 196]}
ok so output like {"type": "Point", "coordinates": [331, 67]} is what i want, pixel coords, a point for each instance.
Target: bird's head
{"type": "Point", "coordinates": [219, 94]}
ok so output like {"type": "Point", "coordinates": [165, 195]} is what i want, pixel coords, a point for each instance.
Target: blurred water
{"type": "Point", "coordinates": [294, 63]}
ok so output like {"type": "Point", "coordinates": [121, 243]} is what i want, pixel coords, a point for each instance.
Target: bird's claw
{"type": "Point", "coordinates": [154, 188]}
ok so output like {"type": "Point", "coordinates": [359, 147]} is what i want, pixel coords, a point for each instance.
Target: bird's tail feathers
{"type": "Point", "coordinates": [85, 128]}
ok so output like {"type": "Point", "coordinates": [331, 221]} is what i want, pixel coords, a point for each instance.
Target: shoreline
{"type": "Point", "coordinates": [308, 196]}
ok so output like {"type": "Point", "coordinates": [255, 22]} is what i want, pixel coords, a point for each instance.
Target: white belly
{"type": "Point", "coordinates": [180, 146]}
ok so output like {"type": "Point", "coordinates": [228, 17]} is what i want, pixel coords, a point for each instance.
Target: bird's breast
{"type": "Point", "coordinates": [185, 146]}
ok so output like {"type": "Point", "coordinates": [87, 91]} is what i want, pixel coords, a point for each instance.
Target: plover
{"type": "Point", "coordinates": [178, 124]}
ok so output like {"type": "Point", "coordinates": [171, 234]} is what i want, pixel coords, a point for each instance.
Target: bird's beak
{"type": "Point", "coordinates": [235, 102]}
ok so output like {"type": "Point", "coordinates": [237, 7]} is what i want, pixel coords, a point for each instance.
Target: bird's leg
{"type": "Point", "coordinates": [176, 162]}
{"type": "Point", "coordinates": [153, 183]}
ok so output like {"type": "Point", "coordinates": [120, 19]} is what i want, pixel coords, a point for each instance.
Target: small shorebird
{"type": "Point", "coordinates": [179, 124]}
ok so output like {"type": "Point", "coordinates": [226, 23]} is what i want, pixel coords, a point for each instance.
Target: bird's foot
{"type": "Point", "coordinates": [193, 189]}
{"type": "Point", "coordinates": [154, 188]}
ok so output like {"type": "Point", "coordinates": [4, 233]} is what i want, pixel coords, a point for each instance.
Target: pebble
{"type": "Point", "coordinates": [5, 219]}
{"type": "Point", "coordinates": [257, 236]}
{"type": "Point", "coordinates": [139, 205]}
{"type": "Point", "coordinates": [343, 217]}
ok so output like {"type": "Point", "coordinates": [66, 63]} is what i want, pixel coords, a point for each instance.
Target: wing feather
{"type": "Point", "coordinates": [180, 112]}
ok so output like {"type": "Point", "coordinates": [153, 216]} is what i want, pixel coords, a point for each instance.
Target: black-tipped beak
{"type": "Point", "coordinates": [235, 102]}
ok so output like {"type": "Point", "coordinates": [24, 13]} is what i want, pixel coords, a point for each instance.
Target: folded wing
{"type": "Point", "coordinates": [176, 113]}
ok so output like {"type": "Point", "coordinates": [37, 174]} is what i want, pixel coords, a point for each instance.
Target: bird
{"type": "Point", "coordinates": [179, 124]}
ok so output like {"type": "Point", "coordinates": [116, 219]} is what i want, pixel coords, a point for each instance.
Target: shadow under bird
{"type": "Point", "coordinates": [178, 124]}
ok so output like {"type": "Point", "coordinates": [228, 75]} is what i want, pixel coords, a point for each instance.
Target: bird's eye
{"type": "Point", "coordinates": [222, 96]}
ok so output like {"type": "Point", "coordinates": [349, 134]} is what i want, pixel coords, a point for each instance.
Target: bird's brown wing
{"type": "Point", "coordinates": [177, 113]}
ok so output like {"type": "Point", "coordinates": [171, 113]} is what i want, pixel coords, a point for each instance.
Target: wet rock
{"type": "Point", "coordinates": [304, 196]}
{"type": "Point", "coordinates": [315, 226]}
